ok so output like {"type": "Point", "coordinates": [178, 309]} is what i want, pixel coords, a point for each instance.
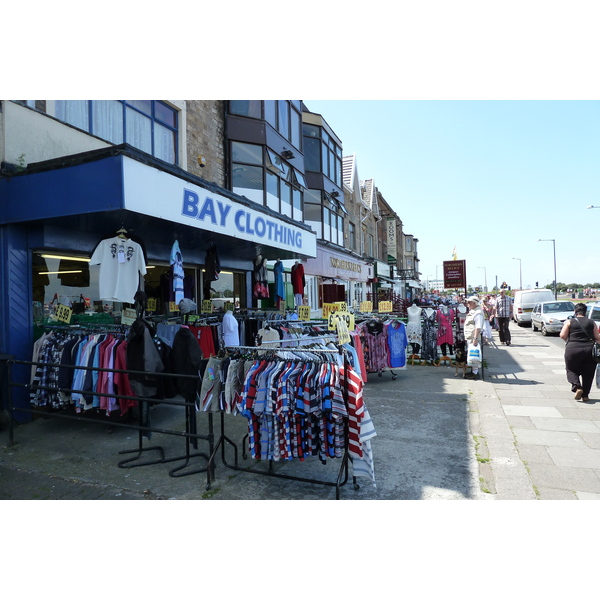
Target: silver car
{"type": "Point", "coordinates": [550, 316]}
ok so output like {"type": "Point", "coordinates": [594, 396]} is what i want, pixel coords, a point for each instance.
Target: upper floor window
{"type": "Point", "coordinates": [283, 115]}
{"type": "Point", "coordinates": [150, 125]}
{"type": "Point", "coordinates": [352, 236]}
{"type": "Point", "coordinates": [265, 178]}
{"type": "Point", "coordinates": [321, 153]}
{"type": "Point", "coordinates": [409, 244]}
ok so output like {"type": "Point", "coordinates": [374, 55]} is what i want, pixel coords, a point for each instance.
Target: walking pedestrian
{"type": "Point", "coordinates": [472, 328]}
{"type": "Point", "coordinates": [579, 333]}
{"type": "Point", "coordinates": [504, 310]}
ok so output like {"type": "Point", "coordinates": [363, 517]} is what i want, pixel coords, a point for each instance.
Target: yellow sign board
{"type": "Point", "coordinates": [328, 308]}
{"type": "Point", "coordinates": [385, 306]}
{"type": "Point", "coordinates": [304, 313]}
{"type": "Point", "coordinates": [346, 317]}
{"type": "Point", "coordinates": [207, 306]}
{"type": "Point", "coordinates": [151, 304]}
{"type": "Point", "coordinates": [173, 307]}
{"type": "Point", "coordinates": [366, 306]}
{"type": "Point", "coordinates": [63, 313]}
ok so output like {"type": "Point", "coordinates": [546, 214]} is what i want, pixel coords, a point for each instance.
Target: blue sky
{"type": "Point", "coordinates": [489, 177]}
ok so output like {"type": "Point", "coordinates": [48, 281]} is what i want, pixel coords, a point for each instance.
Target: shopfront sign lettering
{"type": "Point", "coordinates": [242, 220]}
{"type": "Point", "coordinates": [338, 263]}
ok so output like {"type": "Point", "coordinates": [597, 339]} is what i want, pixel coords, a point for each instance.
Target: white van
{"type": "Point", "coordinates": [524, 302]}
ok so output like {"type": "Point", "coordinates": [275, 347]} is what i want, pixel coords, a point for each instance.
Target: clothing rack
{"type": "Point", "coordinates": [143, 403]}
{"type": "Point", "coordinates": [343, 472]}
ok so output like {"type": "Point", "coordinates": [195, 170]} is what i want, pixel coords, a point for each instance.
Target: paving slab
{"type": "Point", "coordinates": [549, 438]}
{"type": "Point", "coordinates": [532, 411]}
{"type": "Point", "coordinates": [575, 457]}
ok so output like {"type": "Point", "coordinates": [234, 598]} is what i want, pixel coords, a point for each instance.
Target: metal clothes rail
{"type": "Point", "coordinates": [190, 434]}
{"type": "Point", "coordinates": [223, 439]}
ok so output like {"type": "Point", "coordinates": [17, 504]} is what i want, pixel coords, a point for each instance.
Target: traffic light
{"type": "Point", "coordinates": [537, 284]}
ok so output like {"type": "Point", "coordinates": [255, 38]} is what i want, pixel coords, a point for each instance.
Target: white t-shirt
{"type": "Point", "coordinates": [231, 335]}
{"type": "Point", "coordinates": [121, 261]}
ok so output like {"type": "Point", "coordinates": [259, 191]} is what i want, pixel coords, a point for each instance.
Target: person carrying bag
{"type": "Point", "coordinates": [472, 328]}
{"type": "Point", "coordinates": [580, 335]}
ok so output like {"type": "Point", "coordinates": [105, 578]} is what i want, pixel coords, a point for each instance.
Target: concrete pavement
{"type": "Point", "coordinates": [517, 435]}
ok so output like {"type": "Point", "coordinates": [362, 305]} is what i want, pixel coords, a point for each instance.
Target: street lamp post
{"type": "Point", "coordinates": [485, 276]}
{"type": "Point", "coordinates": [554, 247]}
{"type": "Point", "coordinates": [520, 274]}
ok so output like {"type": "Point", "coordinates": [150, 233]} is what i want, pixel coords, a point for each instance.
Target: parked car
{"type": "Point", "coordinates": [593, 312]}
{"type": "Point", "coordinates": [550, 316]}
{"type": "Point", "coordinates": [524, 302]}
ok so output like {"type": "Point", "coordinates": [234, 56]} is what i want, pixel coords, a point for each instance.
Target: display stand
{"type": "Point", "coordinates": [223, 440]}
{"type": "Point", "coordinates": [191, 438]}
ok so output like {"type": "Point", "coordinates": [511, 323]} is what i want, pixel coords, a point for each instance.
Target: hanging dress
{"type": "Point", "coordinates": [429, 345]}
{"type": "Point", "coordinates": [414, 331]}
{"type": "Point", "coordinates": [397, 343]}
{"type": "Point", "coordinates": [444, 317]}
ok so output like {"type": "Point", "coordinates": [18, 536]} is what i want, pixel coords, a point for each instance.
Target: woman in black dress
{"type": "Point", "coordinates": [578, 333]}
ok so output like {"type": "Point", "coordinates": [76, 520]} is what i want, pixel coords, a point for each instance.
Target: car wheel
{"type": "Point", "coordinates": [533, 326]}
{"type": "Point", "coordinates": [544, 330]}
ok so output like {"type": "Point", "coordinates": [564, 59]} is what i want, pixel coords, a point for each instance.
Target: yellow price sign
{"type": "Point", "coordinates": [207, 306]}
{"type": "Point", "coordinates": [304, 313]}
{"type": "Point", "coordinates": [173, 307]}
{"type": "Point", "coordinates": [366, 306]}
{"type": "Point", "coordinates": [342, 306]}
{"type": "Point", "coordinates": [63, 313]}
{"type": "Point", "coordinates": [342, 331]}
{"type": "Point", "coordinates": [346, 317]}
{"type": "Point", "coordinates": [229, 306]}
{"type": "Point", "coordinates": [385, 306]}
{"type": "Point", "coordinates": [151, 304]}
{"type": "Point", "coordinates": [328, 308]}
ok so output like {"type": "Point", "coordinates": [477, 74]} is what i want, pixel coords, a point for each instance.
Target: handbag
{"type": "Point", "coordinates": [595, 346]}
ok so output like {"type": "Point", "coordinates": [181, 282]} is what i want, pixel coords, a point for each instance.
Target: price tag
{"type": "Point", "coordinates": [366, 306]}
{"type": "Point", "coordinates": [229, 306]}
{"type": "Point", "coordinates": [173, 307]}
{"type": "Point", "coordinates": [128, 316]}
{"type": "Point", "coordinates": [342, 331]}
{"type": "Point", "coordinates": [341, 306]}
{"type": "Point", "coordinates": [328, 308]}
{"type": "Point", "coordinates": [385, 306]}
{"type": "Point", "coordinates": [304, 313]}
{"type": "Point", "coordinates": [193, 318]}
{"type": "Point", "coordinates": [151, 304]}
{"type": "Point", "coordinates": [207, 306]}
{"type": "Point", "coordinates": [334, 318]}
{"type": "Point", "coordinates": [63, 313]}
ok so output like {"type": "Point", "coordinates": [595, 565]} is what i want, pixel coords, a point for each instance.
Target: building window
{"type": "Point", "coordinates": [321, 153]}
{"type": "Point", "coordinates": [283, 115]}
{"type": "Point", "coordinates": [265, 178]}
{"type": "Point", "coordinates": [352, 236]}
{"type": "Point", "coordinates": [371, 245]}
{"type": "Point", "coordinates": [149, 125]}
{"type": "Point", "coordinates": [409, 244]}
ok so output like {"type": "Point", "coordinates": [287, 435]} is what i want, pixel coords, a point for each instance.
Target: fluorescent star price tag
{"type": "Point", "coordinates": [63, 313]}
